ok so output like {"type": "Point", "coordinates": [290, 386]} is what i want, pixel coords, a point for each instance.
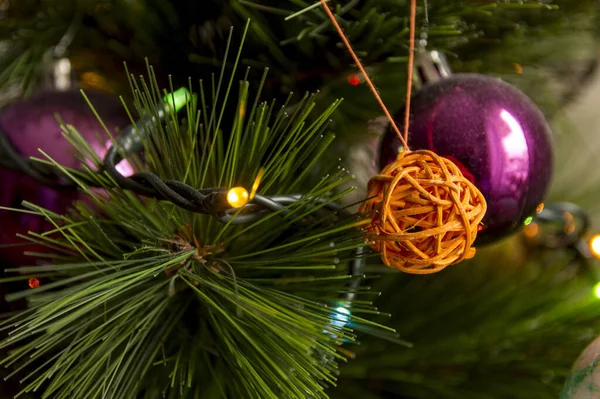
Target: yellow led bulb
{"type": "Point", "coordinates": [237, 197]}
{"type": "Point", "coordinates": [595, 245]}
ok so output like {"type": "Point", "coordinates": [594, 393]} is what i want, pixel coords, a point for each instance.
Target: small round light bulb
{"type": "Point", "coordinates": [597, 290]}
{"type": "Point", "coordinates": [539, 208]}
{"type": "Point", "coordinates": [595, 245]}
{"type": "Point", "coordinates": [237, 197]}
{"type": "Point", "coordinates": [531, 230]}
{"type": "Point", "coordinates": [354, 80]}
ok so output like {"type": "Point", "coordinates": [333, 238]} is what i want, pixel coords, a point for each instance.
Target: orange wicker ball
{"type": "Point", "coordinates": [424, 213]}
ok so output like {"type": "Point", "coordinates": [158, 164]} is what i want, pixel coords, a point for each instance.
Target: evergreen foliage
{"type": "Point", "coordinates": [145, 299]}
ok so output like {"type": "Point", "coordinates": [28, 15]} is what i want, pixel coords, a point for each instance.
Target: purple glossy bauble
{"type": "Point", "coordinates": [31, 124]}
{"type": "Point", "coordinates": [496, 135]}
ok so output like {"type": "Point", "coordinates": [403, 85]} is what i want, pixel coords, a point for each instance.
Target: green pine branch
{"type": "Point", "coordinates": [508, 324]}
{"type": "Point", "coordinates": [144, 299]}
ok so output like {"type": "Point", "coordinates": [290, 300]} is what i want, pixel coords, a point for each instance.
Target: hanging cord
{"type": "Point", "coordinates": [211, 201]}
{"type": "Point", "coordinates": [45, 174]}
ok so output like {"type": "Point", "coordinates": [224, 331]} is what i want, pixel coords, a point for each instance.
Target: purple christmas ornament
{"type": "Point", "coordinates": [31, 124]}
{"type": "Point", "coordinates": [494, 133]}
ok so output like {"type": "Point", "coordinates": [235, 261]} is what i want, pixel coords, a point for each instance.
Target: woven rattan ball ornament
{"type": "Point", "coordinates": [424, 213]}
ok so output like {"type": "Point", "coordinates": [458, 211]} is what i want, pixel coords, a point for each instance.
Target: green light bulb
{"type": "Point", "coordinates": [178, 99]}
{"type": "Point", "coordinates": [597, 290]}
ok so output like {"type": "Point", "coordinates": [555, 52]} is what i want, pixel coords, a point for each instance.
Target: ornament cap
{"type": "Point", "coordinates": [431, 66]}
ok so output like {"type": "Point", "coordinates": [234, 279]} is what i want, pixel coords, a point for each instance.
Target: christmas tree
{"type": "Point", "coordinates": [246, 222]}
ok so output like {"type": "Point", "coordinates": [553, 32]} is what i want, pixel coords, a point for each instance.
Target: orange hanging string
{"type": "Point", "coordinates": [367, 78]}
{"type": "Point", "coordinates": [411, 60]}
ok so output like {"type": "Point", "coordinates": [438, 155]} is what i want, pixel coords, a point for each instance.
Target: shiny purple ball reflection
{"type": "Point", "coordinates": [495, 134]}
{"type": "Point", "coordinates": [31, 124]}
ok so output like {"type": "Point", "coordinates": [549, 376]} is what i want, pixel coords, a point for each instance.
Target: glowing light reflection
{"type": "Point", "coordinates": [514, 142]}
{"type": "Point", "coordinates": [122, 167]}
{"type": "Point", "coordinates": [341, 317]}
